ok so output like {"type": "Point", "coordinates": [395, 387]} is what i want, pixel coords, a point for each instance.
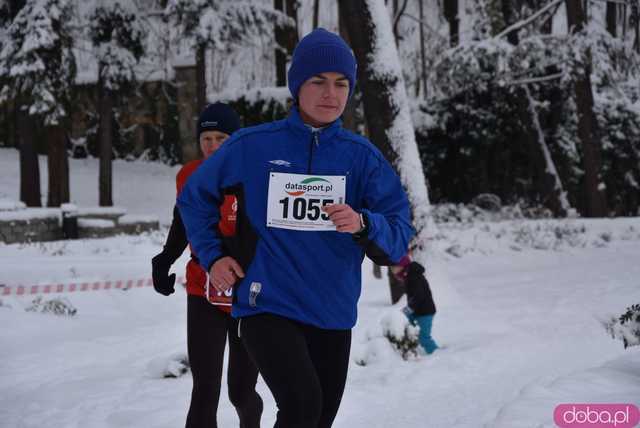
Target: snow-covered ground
{"type": "Point", "coordinates": [520, 306]}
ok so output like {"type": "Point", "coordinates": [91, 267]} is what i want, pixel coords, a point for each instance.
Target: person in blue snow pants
{"type": "Point", "coordinates": [420, 308]}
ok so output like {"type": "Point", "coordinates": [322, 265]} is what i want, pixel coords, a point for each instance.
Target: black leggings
{"type": "Point", "coordinates": [207, 329]}
{"type": "Point", "coordinates": [305, 367]}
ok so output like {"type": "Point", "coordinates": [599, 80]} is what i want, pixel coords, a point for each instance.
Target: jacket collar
{"type": "Point", "coordinates": [295, 123]}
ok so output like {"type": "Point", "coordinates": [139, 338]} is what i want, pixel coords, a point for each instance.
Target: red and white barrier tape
{"type": "Point", "coordinates": [21, 290]}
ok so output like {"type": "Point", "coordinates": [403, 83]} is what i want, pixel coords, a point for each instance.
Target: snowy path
{"type": "Point", "coordinates": [522, 318]}
{"type": "Point", "coordinates": [511, 325]}
{"type": "Point", "coordinates": [520, 328]}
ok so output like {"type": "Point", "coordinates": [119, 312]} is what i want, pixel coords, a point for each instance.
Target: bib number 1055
{"type": "Point", "coordinates": [301, 208]}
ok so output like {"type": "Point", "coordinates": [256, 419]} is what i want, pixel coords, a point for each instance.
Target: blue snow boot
{"type": "Point", "coordinates": [425, 322]}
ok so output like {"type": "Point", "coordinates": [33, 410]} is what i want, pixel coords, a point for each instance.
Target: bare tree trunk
{"type": "Point", "coordinates": [396, 287]}
{"type": "Point", "coordinates": [292, 33]}
{"type": "Point", "coordinates": [15, 6]}
{"type": "Point", "coordinates": [635, 15]}
{"type": "Point", "coordinates": [105, 136]}
{"type": "Point", "coordinates": [14, 134]}
{"type": "Point", "coordinates": [508, 15]}
{"type": "Point", "coordinates": [398, 11]}
{"type": "Point", "coordinates": [549, 184]}
{"type": "Point", "coordinates": [201, 81]}
{"type": "Point", "coordinates": [58, 167]}
{"type": "Point", "coordinates": [286, 39]}
{"type": "Point", "coordinates": [394, 9]}
{"type": "Point", "coordinates": [547, 24]}
{"type": "Point", "coordinates": [316, 13]}
{"type": "Point", "coordinates": [612, 18]}
{"type": "Point", "coordinates": [594, 190]}
{"type": "Point", "coordinates": [349, 115]}
{"type": "Point", "coordinates": [292, 12]}
{"type": "Point", "coordinates": [281, 57]}
{"type": "Point", "coordinates": [585, 8]}
{"type": "Point", "coordinates": [451, 15]}
{"type": "Point", "coordinates": [423, 54]}
{"type": "Point", "coordinates": [624, 21]}
{"type": "Point", "coordinates": [378, 110]}
{"type": "Point", "coordinates": [29, 167]}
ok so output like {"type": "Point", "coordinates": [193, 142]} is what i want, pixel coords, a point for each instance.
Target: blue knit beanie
{"type": "Point", "coordinates": [318, 52]}
{"type": "Point", "coordinates": [218, 117]}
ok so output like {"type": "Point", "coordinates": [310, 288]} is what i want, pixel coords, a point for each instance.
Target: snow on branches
{"type": "Point", "coordinates": [477, 83]}
{"type": "Point", "coordinates": [117, 33]}
{"type": "Point", "coordinates": [626, 327]}
{"type": "Point", "coordinates": [37, 65]}
{"type": "Point", "coordinates": [222, 25]}
{"type": "Point", "coordinates": [549, 59]}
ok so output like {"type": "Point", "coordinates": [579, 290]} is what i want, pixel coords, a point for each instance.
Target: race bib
{"type": "Point", "coordinates": [295, 200]}
{"type": "Point", "coordinates": [215, 297]}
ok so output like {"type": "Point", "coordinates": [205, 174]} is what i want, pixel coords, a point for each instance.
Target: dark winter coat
{"type": "Point", "coordinates": [419, 296]}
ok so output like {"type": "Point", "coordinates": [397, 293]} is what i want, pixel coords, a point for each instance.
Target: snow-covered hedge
{"type": "Point", "coordinates": [464, 230]}
{"type": "Point", "coordinates": [258, 105]}
{"type": "Point", "coordinates": [470, 131]}
{"type": "Point", "coordinates": [57, 306]}
{"type": "Point", "coordinates": [626, 327]}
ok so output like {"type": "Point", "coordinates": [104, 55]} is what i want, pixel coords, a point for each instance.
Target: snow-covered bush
{"type": "Point", "coordinates": [173, 366]}
{"type": "Point", "coordinates": [620, 151]}
{"type": "Point", "coordinates": [57, 306]}
{"type": "Point", "coordinates": [394, 338]}
{"type": "Point", "coordinates": [550, 235]}
{"type": "Point", "coordinates": [626, 327]}
{"type": "Point", "coordinates": [472, 213]}
{"type": "Point", "coordinates": [258, 105]}
{"type": "Point", "coordinates": [176, 368]}
{"type": "Point", "coordinates": [397, 329]}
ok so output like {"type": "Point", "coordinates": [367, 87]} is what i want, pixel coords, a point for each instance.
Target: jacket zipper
{"type": "Point", "coordinates": [314, 140]}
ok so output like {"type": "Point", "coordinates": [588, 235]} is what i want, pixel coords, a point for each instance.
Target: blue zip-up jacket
{"type": "Point", "coordinates": [310, 276]}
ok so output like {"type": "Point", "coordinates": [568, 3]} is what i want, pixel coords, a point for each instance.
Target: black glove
{"type": "Point", "coordinates": [162, 281]}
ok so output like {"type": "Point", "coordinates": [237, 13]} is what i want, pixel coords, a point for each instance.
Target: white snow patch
{"type": "Point", "coordinates": [133, 219]}
{"type": "Point", "coordinates": [96, 223]}
{"type": "Point", "coordinates": [101, 211]}
{"type": "Point", "coordinates": [10, 205]}
{"type": "Point", "coordinates": [29, 214]}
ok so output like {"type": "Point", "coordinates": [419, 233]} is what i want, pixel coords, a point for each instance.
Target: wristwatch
{"type": "Point", "coordinates": [363, 224]}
